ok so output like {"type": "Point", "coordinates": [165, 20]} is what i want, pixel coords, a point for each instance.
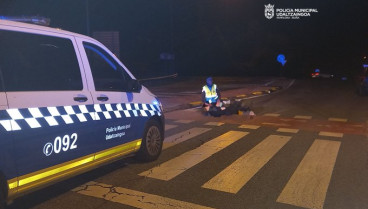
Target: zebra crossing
{"type": "Point", "coordinates": [180, 164]}
{"type": "Point", "coordinates": [236, 175]}
{"type": "Point", "coordinates": [306, 187]}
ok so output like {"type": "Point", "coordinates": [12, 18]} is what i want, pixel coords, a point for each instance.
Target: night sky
{"type": "Point", "coordinates": [217, 37]}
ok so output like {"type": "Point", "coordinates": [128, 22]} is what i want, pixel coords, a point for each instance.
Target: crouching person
{"type": "Point", "coordinates": [211, 96]}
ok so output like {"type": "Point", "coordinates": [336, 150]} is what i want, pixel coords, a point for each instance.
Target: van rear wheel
{"type": "Point", "coordinates": [151, 142]}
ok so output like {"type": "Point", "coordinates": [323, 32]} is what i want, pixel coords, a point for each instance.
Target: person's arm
{"type": "Point", "coordinates": [203, 97]}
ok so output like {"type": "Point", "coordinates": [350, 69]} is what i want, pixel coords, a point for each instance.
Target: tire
{"type": "Point", "coordinates": [152, 141]}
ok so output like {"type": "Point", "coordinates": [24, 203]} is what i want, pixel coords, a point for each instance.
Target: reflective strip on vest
{"type": "Point", "coordinates": [211, 95]}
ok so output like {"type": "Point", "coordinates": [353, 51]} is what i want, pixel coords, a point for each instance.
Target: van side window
{"type": "Point", "coordinates": [108, 75]}
{"type": "Point", "coordinates": [30, 62]}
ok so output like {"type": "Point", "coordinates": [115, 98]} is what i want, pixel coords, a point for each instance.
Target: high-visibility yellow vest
{"type": "Point", "coordinates": [211, 94]}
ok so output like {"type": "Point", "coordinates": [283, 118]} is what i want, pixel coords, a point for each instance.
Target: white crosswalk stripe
{"type": "Point", "coordinates": [272, 114]}
{"type": "Point", "coordinates": [333, 134]}
{"type": "Point", "coordinates": [309, 183]}
{"type": "Point", "coordinates": [178, 165]}
{"type": "Point", "coordinates": [288, 130]}
{"type": "Point", "coordinates": [338, 119]}
{"type": "Point", "coordinates": [249, 126]}
{"type": "Point", "coordinates": [214, 124]}
{"type": "Point", "coordinates": [183, 136]}
{"type": "Point", "coordinates": [306, 117]}
{"type": "Point", "coordinates": [235, 176]}
{"type": "Point", "coordinates": [184, 121]}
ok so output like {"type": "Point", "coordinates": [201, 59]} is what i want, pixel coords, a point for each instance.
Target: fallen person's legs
{"type": "Point", "coordinates": [237, 107]}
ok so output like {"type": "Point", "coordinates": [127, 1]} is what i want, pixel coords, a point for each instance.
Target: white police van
{"type": "Point", "coordinates": [67, 105]}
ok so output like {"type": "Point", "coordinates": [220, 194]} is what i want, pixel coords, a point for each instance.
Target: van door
{"type": "Point", "coordinates": [49, 104]}
{"type": "Point", "coordinates": [121, 113]}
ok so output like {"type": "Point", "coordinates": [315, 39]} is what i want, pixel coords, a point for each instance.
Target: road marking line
{"type": "Point", "coordinates": [338, 119]}
{"type": "Point", "coordinates": [269, 83]}
{"type": "Point", "coordinates": [303, 117]}
{"type": "Point", "coordinates": [196, 103]}
{"type": "Point", "coordinates": [290, 84]}
{"type": "Point", "coordinates": [183, 121]}
{"type": "Point", "coordinates": [183, 136]}
{"type": "Point", "coordinates": [131, 197]}
{"type": "Point", "coordinates": [272, 115]}
{"type": "Point", "coordinates": [168, 126]}
{"type": "Point", "coordinates": [251, 97]}
{"type": "Point", "coordinates": [192, 109]}
{"type": "Point", "coordinates": [286, 119]}
{"type": "Point", "coordinates": [360, 126]}
{"type": "Point", "coordinates": [214, 124]}
{"type": "Point", "coordinates": [257, 93]}
{"type": "Point", "coordinates": [235, 176]}
{"type": "Point", "coordinates": [242, 95]}
{"type": "Point", "coordinates": [308, 186]}
{"type": "Point", "coordinates": [333, 134]}
{"type": "Point", "coordinates": [276, 124]}
{"type": "Point", "coordinates": [249, 126]}
{"type": "Point", "coordinates": [174, 167]}
{"type": "Point", "coordinates": [288, 130]}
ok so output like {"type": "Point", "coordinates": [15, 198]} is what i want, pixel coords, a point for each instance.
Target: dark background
{"type": "Point", "coordinates": [217, 37]}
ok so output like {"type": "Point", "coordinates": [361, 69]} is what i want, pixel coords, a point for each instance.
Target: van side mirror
{"type": "Point", "coordinates": [134, 86]}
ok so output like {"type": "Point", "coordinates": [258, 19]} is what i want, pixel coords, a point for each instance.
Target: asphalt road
{"type": "Point", "coordinates": [306, 148]}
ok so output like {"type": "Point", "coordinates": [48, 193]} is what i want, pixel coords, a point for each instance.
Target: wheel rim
{"type": "Point", "coordinates": [153, 140]}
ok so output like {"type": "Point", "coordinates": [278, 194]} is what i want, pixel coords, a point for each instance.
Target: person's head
{"type": "Point", "coordinates": [209, 81]}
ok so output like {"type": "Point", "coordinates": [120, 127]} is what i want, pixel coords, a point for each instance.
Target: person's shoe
{"type": "Point", "coordinates": [226, 102]}
{"type": "Point", "coordinates": [251, 114]}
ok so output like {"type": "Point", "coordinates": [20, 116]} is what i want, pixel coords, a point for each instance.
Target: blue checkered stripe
{"type": "Point", "coordinates": [38, 117]}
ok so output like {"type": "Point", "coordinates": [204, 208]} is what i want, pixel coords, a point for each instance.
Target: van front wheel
{"type": "Point", "coordinates": [152, 142]}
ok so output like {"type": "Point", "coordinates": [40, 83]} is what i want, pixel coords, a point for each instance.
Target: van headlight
{"type": "Point", "coordinates": [158, 103]}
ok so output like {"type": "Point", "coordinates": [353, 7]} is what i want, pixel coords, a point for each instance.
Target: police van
{"type": "Point", "coordinates": [67, 105]}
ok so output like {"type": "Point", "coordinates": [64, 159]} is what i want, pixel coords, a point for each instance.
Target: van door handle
{"type": "Point", "coordinates": [80, 99]}
{"type": "Point", "coordinates": [103, 98]}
